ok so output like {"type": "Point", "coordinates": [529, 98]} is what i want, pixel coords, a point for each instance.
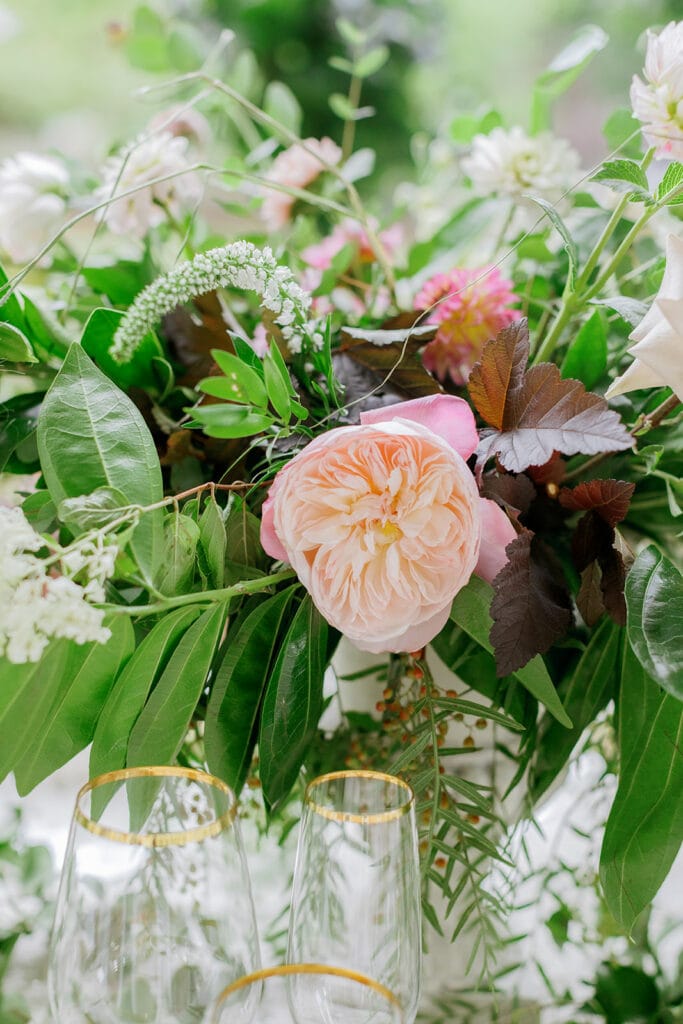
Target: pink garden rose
{"type": "Point", "coordinates": [383, 522]}
{"type": "Point", "coordinates": [472, 308]}
{"type": "Point", "coordinates": [295, 167]}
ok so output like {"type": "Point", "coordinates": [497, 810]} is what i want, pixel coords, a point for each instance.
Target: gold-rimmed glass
{"type": "Point", "coordinates": [154, 914]}
{"type": "Point", "coordinates": [307, 994]}
{"type": "Point", "coordinates": [356, 893]}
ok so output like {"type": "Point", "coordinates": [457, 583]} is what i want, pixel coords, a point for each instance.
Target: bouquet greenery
{"type": "Point", "coordinates": [249, 416]}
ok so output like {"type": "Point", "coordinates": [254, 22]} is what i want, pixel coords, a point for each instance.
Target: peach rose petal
{"type": "Point", "coordinates": [445, 415]}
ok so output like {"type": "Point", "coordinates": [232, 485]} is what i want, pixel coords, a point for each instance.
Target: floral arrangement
{"type": "Point", "coordinates": [248, 417]}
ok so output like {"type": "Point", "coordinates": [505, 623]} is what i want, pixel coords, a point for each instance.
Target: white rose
{"type": "Point", "coordinates": [32, 203]}
{"type": "Point", "coordinates": [658, 352]}
{"type": "Point", "coordinates": [658, 101]}
{"type": "Point", "coordinates": [136, 168]}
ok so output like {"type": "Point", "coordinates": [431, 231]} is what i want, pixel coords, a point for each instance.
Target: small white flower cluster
{"type": "Point", "coordinates": [37, 607]}
{"type": "Point", "coordinates": [240, 265]}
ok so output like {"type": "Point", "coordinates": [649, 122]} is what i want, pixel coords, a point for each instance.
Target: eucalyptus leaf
{"type": "Point", "coordinates": [230, 726]}
{"type": "Point", "coordinates": [70, 718]}
{"type": "Point", "coordinates": [644, 830]}
{"type": "Point", "coordinates": [654, 609]}
{"type": "Point", "coordinates": [132, 688]}
{"type": "Point", "coordinates": [471, 611]}
{"type": "Point", "coordinates": [91, 435]}
{"type": "Point", "coordinates": [293, 703]}
{"type": "Point", "coordinates": [160, 729]}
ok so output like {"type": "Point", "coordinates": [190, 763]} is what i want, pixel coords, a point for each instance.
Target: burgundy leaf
{"type": "Point", "coordinates": [499, 374]}
{"type": "Point", "coordinates": [513, 493]}
{"type": "Point", "coordinates": [609, 498]}
{"type": "Point", "coordinates": [530, 608]}
{"type": "Point", "coordinates": [589, 599]}
{"type": "Point", "coordinates": [592, 540]}
{"type": "Point", "coordinates": [613, 581]}
{"type": "Point", "coordinates": [399, 362]}
{"type": "Point", "coordinates": [551, 472]}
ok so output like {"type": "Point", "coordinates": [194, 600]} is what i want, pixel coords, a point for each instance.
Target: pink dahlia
{"type": "Point", "coordinates": [295, 167]}
{"type": "Point", "coordinates": [470, 307]}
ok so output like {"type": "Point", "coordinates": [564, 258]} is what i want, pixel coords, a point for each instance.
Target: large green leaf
{"type": "Point", "coordinates": [471, 611]}
{"type": "Point", "coordinates": [70, 714]}
{"type": "Point", "coordinates": [132, 688]}
{"type": "Point", "coordinates": [158, 733]}
{"type": "Point", "coordinates": [230, 728]}
{"type": "Point", "coordinates": [293, 703]}
{"type": "Point", "coordinates": [212, 543]}
{"type": "Point", "coordinates": [644, 830]}
{"type": "Point", "coordinates": [654, 607]}
{"type": "Point", "coordinates": [20, 710]}
{"type": "Point", "coordinates": [91, 435]}
{"type": "Point", "coordinates": [591, 686]}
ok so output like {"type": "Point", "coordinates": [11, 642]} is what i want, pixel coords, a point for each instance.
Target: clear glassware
{"type": "Point", "coordinates": [306, 994]}
{"type": "Point", "coordinates": [154, 915]}
{"type": "Point", "coordinates": [356, 894]}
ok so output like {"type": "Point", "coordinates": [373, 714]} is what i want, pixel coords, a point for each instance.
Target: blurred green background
{"type": "Point", "coordinates": [66, 82]}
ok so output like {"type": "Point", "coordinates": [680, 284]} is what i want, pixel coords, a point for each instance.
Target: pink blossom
{"type": "Point", "coordinates": [350, 232]}
{"type": "Point", "coordinates": [295, 167]}
{"type": "Point", "coordinates": [472, 308]}
{"type": "Point", "coordinates": [383, 522]}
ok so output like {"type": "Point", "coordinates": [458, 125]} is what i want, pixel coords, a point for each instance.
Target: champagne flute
{"type": "Point", "coordinates": [356, 894]}
{"type": "Point", "coordinates": [306, 994]}
{"type": "Point", "coordinates": [154, 915]}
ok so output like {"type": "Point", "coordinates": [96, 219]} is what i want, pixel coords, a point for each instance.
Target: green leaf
{"type": "Point", "coordinates": [586, 358]}
{"type": "Point", "coordinates": [97, 339]}
{"type": "Point", "coordinates": [625, 176]}
{"type": "Point", "coordinates": [562, 71]}
{"type": "Point", "coordinates": [654, 609]}
{"type": "Point", "coordinates": [245, 381]}
{"type": "Point", "coordinates": [186, 50]}
{"type": "Point", "coordinates": [470, 611]}
{"type": "Point", "coordinates": [15, 346]}
{"type": "Point", "coordinates": [670, 183]}
{"type": "Point", "coordinates": [277, 386]}
{"type": "Point", "coordinates": [212, 543]}
{"type": "Point", "coordinates": [91, 435]}
{"type": "Point", "coordinates": [158, 733]}
{"type": "Point", "coordinates": [592, 684]}
{"type": "Point", "coordinates": [342, 106]}
{"type": "Point", "coordinates": [243, 536]}
{"type": "Point", "coordinates": [10, 308]}
{"type": "Point", "coordinates": [181, 534]}
{"type": "Point", "coordinates": [70, 714]}
{"type": "Point", "coordinates": [625, 993]}
{"type": "Point", "coordinates": [371, 62]}
{"type": "Point", "coordinates": [280, 103]}
{"type": "Point", "coordinates": [91, 511]}
{"type": "Point", "coordinates": [568, 242]}
{"type": "Point", "coordinates": [21, 686]}
{"type": "Point", "coordinates": [132, 688]}
{"type": "Point", "coordinates": [121, 282]}
{"type": "Point", "coordinates": [644, 830]}
{"type": "Point", "coordinates": [620, 126]}
{"type": "Point", "coordinates": [350, 33]}
{"type": "Point", "coordinates": [230, 730]}
{"type": "Point", "coordinates": [629, 309]}
{"type": "Point", "coordinates": [229, 420]}
{"type": "Point", "coordinates": [293, 703]}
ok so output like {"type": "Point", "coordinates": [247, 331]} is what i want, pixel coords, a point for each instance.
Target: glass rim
{"type": "Point", "coordinates": [365, 817]}
{"type": "Point", "coordinates": [157, 839]}
{"type": "Point", "coordinates": [291, 970]}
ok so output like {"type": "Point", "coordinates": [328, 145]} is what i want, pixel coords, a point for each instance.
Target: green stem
{"type": "Point", "coordinates": [210, 596]}
{"type": "Point", "coordinates": [350, 125]}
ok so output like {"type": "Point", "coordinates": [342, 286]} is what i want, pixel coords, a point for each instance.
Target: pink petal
{"type": "Point", "coordinates": [496, 533]}
{"type": "Point", "coordinates": [270, 542]}
{"type": "Point", "coordinates": [414, 638]}
{"type": "Point", "coordinates": [445, 415]}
